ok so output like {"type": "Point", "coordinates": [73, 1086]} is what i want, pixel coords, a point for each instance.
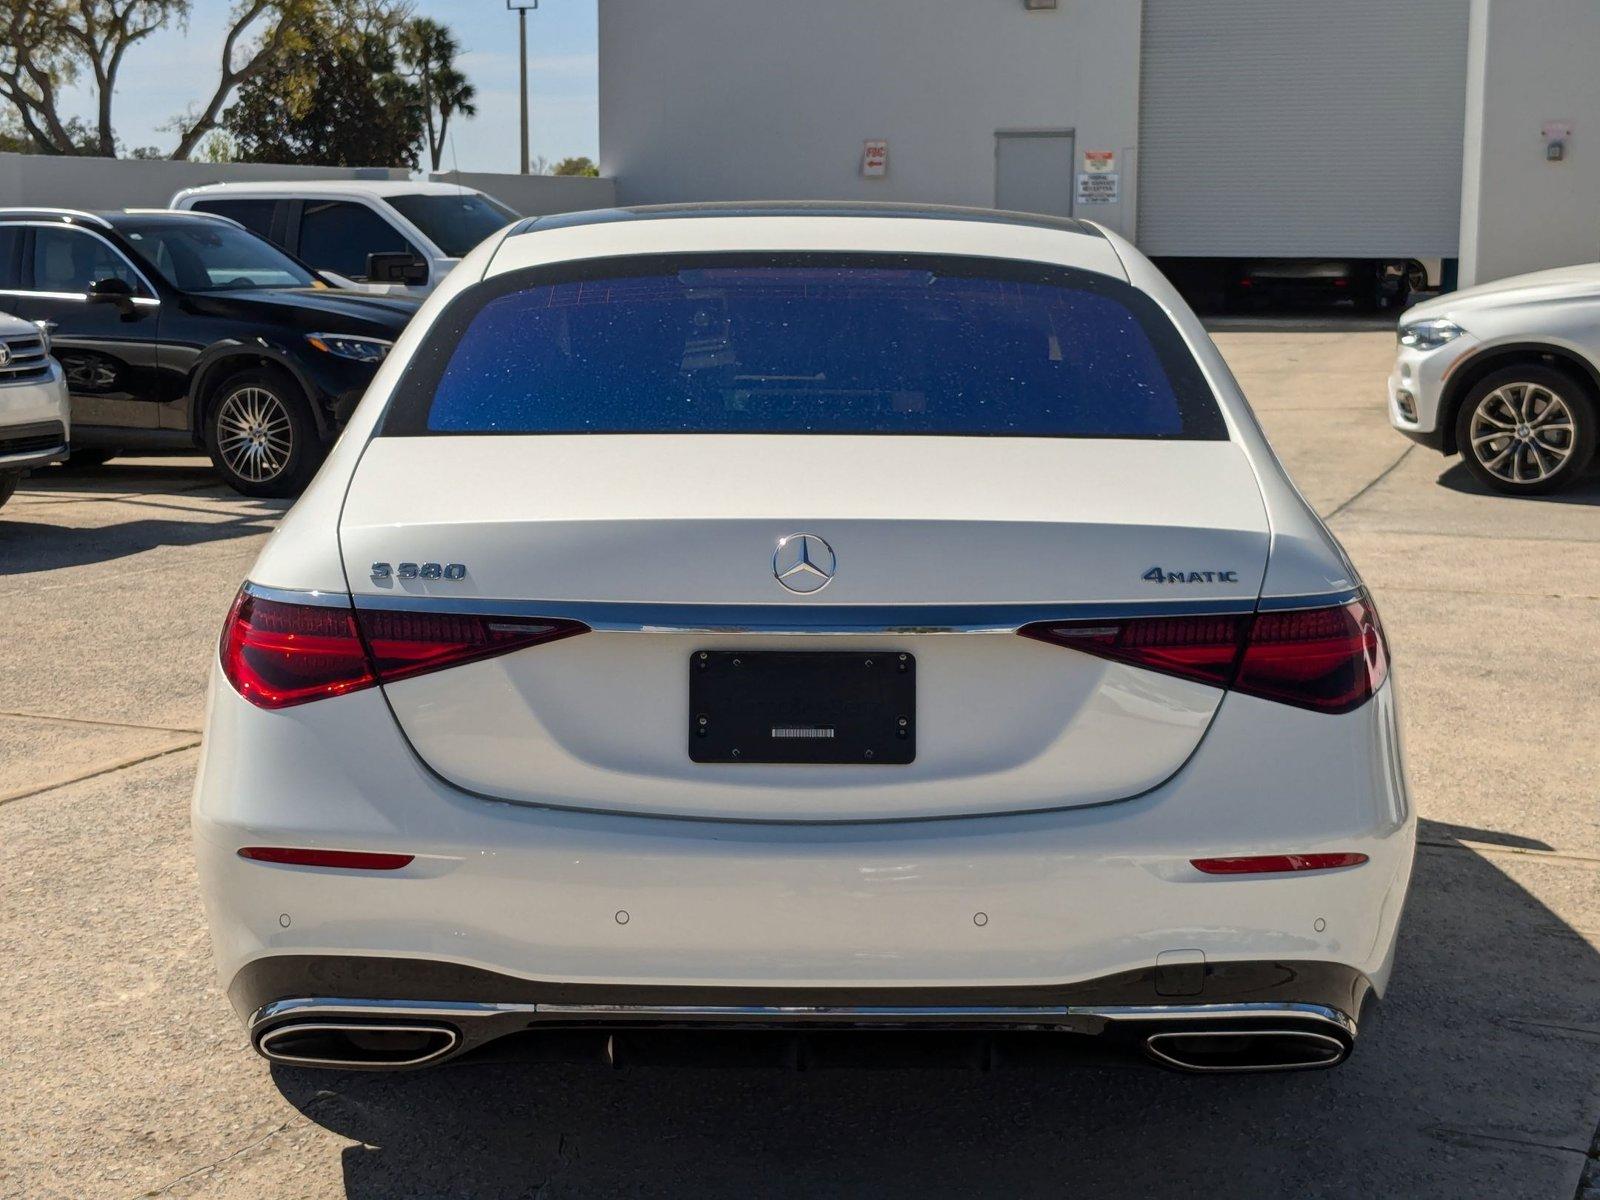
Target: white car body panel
{"type": "Point", "coordinates": [1043, 835]}
{"type": "Point", "coordinates": [581, 723]}
{"type": "Point", "coordinates": [535, 892]}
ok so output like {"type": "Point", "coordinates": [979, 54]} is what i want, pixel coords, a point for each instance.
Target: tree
{"type": "Point", "coordinates": [428, 50]}
{"type": "Point", "coordinates": [578, 164]}
{"type": "Point", "coordinates": [264, 25]}
{"type": "Point", "coordinates": [333, 96]}
{"type": "Point", "coordinates": [48, 44]}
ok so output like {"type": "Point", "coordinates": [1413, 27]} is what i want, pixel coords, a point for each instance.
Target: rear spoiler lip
{"type": "Point", "coordinates": [831, 619]}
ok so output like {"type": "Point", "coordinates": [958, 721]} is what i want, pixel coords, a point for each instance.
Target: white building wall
{"type": "Point", "coordinates": [768, 99]}
{"type": "Point", "coordinates": [1530, 62]}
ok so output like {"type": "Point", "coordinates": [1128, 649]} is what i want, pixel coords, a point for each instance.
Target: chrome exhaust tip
{"type": "Point", "coordinates": [360, 1046]}
{"type": "Point", "coordinates": [1239, 1050]}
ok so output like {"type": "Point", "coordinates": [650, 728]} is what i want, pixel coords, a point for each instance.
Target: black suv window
{"type": "Point", "coordinates": [337, 235]}
{"type": "Point", "coordinates": [254, 215]}
{"type": "Point", "coordinates": [11, 256]}
{"type": "Point", "coordinates": [69, 260]}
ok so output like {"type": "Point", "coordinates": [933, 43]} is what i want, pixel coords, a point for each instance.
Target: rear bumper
{"type": "Point", "coordinates": [1268, 1026]}
{"type": "Point", "coordinates": [512, 903]}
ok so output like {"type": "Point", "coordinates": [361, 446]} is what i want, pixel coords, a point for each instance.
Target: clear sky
{"type": "Point", "coordinates": [174, 69]}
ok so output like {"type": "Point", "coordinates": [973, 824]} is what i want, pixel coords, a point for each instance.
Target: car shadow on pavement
{"type": "Point", "coordinates": [123, 476]}
{"type": "Point", "coordinates": [1476, 1076]}
{"type": "Point", "coordinates": [1457, 478]}
{"type": "Point", "coordinates": [30, 546]}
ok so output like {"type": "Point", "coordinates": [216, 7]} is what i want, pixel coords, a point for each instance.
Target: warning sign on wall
{"type": "Point", "coordinates": [875, 157]}
{"type": "Point", "coordinates": [1098, 162]}
{"type": "Point", "coordinates": [1103, 187]}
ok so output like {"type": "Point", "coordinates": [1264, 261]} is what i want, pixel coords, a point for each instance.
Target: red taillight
{"type": "Point", "coordinates": [404, 644]}
{"type": "Point", "coordinates": [1201, 648]}
{"type": "Point", "coordinates": [1272, 864]}
{"type": "Point", "coordinates": [1329, 659]}
{"type": "Point", "coordinates": [353, 860]}
{"type": "Point", "coordinates": [278, 654]}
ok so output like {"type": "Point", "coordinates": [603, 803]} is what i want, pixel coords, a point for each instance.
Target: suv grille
{"type": "Point", "coordinates": [27, 362]}
{"type": "Point", "coordinates": [29, 439]}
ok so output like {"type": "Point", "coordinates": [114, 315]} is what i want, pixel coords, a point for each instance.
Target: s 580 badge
{"type": "Point", "coordinates": [411, 570]}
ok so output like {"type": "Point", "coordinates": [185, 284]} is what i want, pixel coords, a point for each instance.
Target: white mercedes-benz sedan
{"type": "Point", "coordinates": [1508, 376]}
{"type": "Point", "coordinates": [812, 617]}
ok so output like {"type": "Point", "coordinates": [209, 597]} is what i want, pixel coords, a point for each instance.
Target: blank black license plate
{"type": "Point", "coordinates": [802, 707]}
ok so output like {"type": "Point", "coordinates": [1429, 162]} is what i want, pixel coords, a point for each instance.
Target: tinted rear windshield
{"type": "Point", "coordinates": [835, 344]}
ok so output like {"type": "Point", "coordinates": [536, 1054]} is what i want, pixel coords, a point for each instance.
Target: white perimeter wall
{"type": "Point", "coordinates": [36, 180]}
{"type": "Point", "coordinates": [1530, 62]}
{"type": "Point", "coordinates": [772, 99]}
{"type": "Point", "coordinates": [43, 181]}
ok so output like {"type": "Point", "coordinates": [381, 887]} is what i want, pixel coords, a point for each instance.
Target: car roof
{"type": "Point", "coordinates": [326, 187]}
{"type": "Point", "coordinates": [808, 226]}
{"type": "Point", "coordinates": [105, 218]}
{"type": "Point", "coordinates": [803, 208]}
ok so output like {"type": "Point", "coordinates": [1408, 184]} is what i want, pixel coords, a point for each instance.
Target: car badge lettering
{"type": "Point", "coordinates": [454, 572]}
{"type": "Point", "coordinates": [804, 563]}
{"type": "Point", "coordinates": [1162, 575]}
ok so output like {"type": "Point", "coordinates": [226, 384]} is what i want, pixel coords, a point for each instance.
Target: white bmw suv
{"type": "Point", "coordinates": [806, 616]}
{"type": "Point", "coordinates": [1508, 376]}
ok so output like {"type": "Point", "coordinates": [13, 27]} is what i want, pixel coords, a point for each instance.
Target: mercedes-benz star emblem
{"type": "Point", "coordinates": [5, 354]}
{"type": "Point", "coordinates": [803, 563]}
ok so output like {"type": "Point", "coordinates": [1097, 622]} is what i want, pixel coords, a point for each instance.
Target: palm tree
{"type": "Point", "coordinates": [428, 50]}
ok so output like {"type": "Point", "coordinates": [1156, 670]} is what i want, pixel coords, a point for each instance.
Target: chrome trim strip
{"type": "Point", "coordinates": [871, 619]}
{"type": "Point", "coordinates": [1066, 1015]}
{"type": "Point", "coordinates": [1296, 603]}
{"type": "Point", "coordinates": [24, 210]}
{"type": "Point", "coordinates": [298, 596]}
{"type": "Point", "coordinates": [33, 458]}
{"type": "Point", "coordinates": [875, 619]}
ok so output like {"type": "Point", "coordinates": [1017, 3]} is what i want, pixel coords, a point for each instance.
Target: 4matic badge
{"type": "Point", "coordinates": [1162, 575]}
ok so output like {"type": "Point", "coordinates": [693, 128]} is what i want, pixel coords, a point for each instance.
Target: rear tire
{"type": "Point", "coordinates": [261, 435]}
{"type": "Point", "coordinates": [1527, 430]}
{"type": "Point", "coordinates": [8, 486]}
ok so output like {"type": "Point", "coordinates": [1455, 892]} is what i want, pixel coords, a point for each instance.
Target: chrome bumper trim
{"type": "Point", "coordinates": [482, 1022]}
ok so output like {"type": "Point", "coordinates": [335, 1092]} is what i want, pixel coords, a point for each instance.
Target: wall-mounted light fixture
{"type": "Point", "coordinates": [1033, 5]}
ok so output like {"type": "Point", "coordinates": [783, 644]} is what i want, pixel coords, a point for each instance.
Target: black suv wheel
{"type": "Point", "coordinates": [261, 435]}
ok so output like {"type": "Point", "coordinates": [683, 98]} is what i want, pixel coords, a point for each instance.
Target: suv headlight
{"type": "Point", "coordinates": [344, 345]}
{"type": "Point", "coordinates": [1429, 335]}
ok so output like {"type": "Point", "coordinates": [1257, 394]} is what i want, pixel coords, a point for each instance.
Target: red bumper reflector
{"type": "Point", "coordinates": [1269, 864]}
{"type": "Point", "coordinates": [353, 860]}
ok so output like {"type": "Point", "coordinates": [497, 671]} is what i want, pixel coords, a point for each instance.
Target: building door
{"type": "Point", "coordinates": [1033, 172]}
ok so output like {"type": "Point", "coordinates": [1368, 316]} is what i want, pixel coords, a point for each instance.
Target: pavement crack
{"type": "Point", "coordinates": [1471, 1137]}
{"type": "Point", "coordinates": [30, 716]}
{"type": "Point", "coordinates": [216, 1163]}
{"type": "Point", "coordinates": [1372, 483]}
{"type": "Point", "coordinates": [1561, 856]}
{"type": "Point", "coordinates": [96, 772]}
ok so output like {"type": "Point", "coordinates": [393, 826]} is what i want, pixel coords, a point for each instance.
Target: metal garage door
{"type": "Point", "coordinates": [1285, 130]}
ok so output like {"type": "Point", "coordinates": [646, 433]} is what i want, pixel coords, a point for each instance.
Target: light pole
{"type": "Point", "coordinates": [521, 8]}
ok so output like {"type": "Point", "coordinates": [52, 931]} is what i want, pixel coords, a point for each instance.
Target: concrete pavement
{"type": "Point", "coordinates": [124, 1073]}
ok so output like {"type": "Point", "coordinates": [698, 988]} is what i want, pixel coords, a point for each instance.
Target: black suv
{"type": "Point", "coordinates": [185, 328]}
